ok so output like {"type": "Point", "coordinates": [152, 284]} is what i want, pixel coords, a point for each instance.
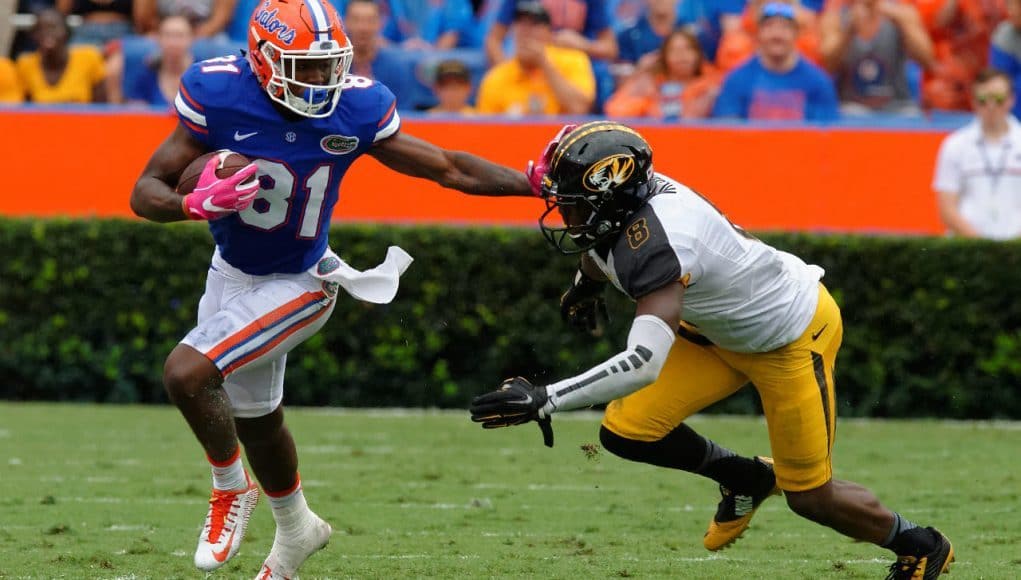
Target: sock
{"type": "Point", "coordinates": [906, 538]}
{"type": "Point", "coordinates": [290, 510]}
{"type": "Point", "coordinates": [230, 474]}
{"type": "Point", "coordinates": [741, 475]}
{"type": "Point", "coordinates": [686, 450]}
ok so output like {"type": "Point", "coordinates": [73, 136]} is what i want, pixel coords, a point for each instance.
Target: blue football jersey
{"type": "Point", "coordinates": [301, 160]}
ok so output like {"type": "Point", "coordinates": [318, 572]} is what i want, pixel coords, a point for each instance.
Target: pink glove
{"type": "Point", "coordinates": [536, 170]}
{"type": "Point", "coordinates": [214, 198]}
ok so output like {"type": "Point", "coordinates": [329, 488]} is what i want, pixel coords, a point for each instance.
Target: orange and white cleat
{"type": "Point", "coordinates": [288, 554]}
{"type": "Point", "coordinates": [225, 526]}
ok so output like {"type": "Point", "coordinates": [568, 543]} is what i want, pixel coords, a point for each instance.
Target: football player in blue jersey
{"type": "Point", "coordinates": [291, 107]}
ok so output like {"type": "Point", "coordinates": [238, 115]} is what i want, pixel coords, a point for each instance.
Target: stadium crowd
{"type": "Point", "coordinates": [660, 59]}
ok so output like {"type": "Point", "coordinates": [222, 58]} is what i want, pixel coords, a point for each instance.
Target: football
{"type": "Point", "coordinates": [230, 163]}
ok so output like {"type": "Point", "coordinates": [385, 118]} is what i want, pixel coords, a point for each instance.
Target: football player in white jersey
{"type": "Point", "coordinates": [716, 309]}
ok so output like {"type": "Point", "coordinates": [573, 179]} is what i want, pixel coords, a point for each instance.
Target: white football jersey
{"type": "Point", "coordinates": [742, 294]}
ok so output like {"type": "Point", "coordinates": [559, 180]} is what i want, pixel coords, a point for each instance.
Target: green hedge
{"type": "Point", "coordinates": [89, 309]}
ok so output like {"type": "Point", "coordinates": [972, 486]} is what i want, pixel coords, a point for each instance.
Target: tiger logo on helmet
{"type": "Point", "coordinates": [291, 41]}
{"type": "Point", "coordinates": [602, 170]}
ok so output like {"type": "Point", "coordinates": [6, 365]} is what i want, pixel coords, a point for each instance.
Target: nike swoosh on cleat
{"type": "Point", "coordinates": [222, 555]}
{"type": "Point", "coordinates": [239, 137]}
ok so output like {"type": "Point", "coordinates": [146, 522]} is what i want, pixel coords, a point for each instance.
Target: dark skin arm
{"type": "Point", "coordinates": [663, 303]}
{"type": "Point", "coordinates": [453, 169]}
{"type": "Point", "coordinates": [153, 197]}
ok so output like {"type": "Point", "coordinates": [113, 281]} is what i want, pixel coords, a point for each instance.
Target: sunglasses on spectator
{"type": "Point", "coordinates": [992, 98]}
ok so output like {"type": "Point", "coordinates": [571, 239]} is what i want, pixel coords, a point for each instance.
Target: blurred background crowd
{"type": "Point", "coordinates": [659, 59]}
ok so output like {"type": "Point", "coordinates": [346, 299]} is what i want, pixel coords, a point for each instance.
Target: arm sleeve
{"type": "Point", "coordinates": [648, 345]}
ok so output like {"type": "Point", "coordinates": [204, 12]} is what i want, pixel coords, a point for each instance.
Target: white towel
{"type": "Point", "coordinates": [378, 285]}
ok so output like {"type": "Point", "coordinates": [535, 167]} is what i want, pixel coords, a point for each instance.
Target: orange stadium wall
{"type": "Point", "coordinates": [82, 164]}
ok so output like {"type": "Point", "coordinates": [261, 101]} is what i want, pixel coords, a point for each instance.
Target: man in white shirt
{"type": "Point", "coordinates": [978, 172]}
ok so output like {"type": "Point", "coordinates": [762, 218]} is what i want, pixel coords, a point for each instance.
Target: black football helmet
{"type": "Point", "coordinates": [599, 174]}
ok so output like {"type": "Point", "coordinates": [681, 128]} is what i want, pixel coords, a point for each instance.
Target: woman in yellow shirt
{"type": "Point", "coordinates": [57, 73]}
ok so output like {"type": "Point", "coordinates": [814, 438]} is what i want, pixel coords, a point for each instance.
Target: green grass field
{"type": "Point", "coordinates": [119, 492]}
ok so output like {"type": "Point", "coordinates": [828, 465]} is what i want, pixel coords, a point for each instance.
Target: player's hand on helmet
{"type": "Point", "coordinates": [515, 402]}
{"type": "Point", "coordinates": [536, 170]}
{"type": "Point", "coordinates": [215, 197]}
{"type": "Point", "coordinates": [583, 306]}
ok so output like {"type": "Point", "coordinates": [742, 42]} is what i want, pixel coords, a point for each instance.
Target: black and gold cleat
{"type": "Point", "coordinates": [734, 513]}
{"type": "Point", "coordinates": [926, 567]}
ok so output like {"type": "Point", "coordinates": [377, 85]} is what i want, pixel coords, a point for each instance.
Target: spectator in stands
{"type": "Point", "coordinates": [208, 17]}
{"type": "Point", "coordinates": [583, 25]}
{"type": "Point", "coordinates": [866, 44]}
{"type": "Point", "coordinates": [960, 32]}
{"type": "Point", "coordinates": [10, 86]}
{"type": "Point", "coordinates": [1005, 52]}
{"type": "Point", "coordinates": [424, 24]}
{"type": "Point", "coordinates": [7, 10]}
{"type": "Point", "coordinates": [157, 84]}
{"type": "Point", "coordinates": [541, 78]}
{"type": "Point", "coordinates": [777, 83]}
{"type": "Point", "coordinates": [56, 72]}
{"type": "Point", "coordinates": [420, 24]}
{"type": "Point", "coordinates": [103, 21]}
{"type": "Point", "coordinates": [978, 171]}
{"type": "Point", "coordinates": [738, 43]}
{"type": "Point", "coordinates": [709, 20]}
{"type": "Point", "coordinates": [640, 43]}
{"type": "Point", "coordinates": [579, 24]}
{"type": "Point", "coordinates": [677, 86]}
{"type": "Point", "coordinates": [453, 87]}
{"type": "Point", "coordinates": [363, 23]}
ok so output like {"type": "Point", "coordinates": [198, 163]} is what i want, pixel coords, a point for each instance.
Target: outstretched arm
{"type": "Point", "coordinates": [454, 169]}
{"type": "Point", "coordinates": [652, 334]}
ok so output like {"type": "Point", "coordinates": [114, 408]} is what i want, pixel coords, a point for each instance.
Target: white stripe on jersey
{"type": "Point", "coordinates": [390, 129]}
{"type": "Point", "coordinates": [188, 112]}
{"type": "Point", "coordinates": [322, 23]}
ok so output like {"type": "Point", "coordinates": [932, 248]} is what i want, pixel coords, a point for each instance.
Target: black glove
{"type": "Point", "coordinates": [516, 402]}
{"type": "Point", "coordinates": [583, 306]}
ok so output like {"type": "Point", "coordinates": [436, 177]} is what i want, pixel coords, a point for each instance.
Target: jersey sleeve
{"type": "Point", "coordinates": [190, 104]}
{"type": "Point", "coordinates": [644, 259]}
{"type": "Point", "coordinates": [388, 120]}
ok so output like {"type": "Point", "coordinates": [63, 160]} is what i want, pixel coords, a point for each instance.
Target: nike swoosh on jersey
{"type": "Point", "coordinates": [239, 137]}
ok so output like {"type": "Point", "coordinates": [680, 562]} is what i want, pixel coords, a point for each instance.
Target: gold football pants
{"type": "Point", "coordinates": [795, 383]}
